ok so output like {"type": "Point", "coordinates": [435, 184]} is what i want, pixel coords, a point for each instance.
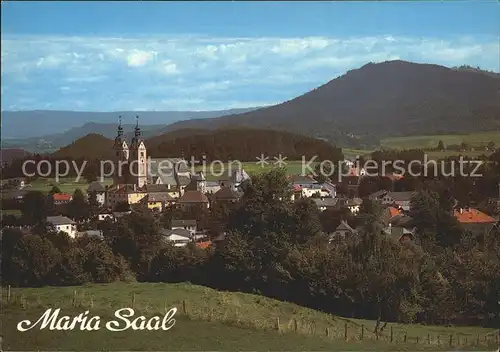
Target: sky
{"type": "Point", "coordinates": [116, 56]}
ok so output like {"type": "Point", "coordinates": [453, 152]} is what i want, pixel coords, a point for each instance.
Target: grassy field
{"type": "Point", "coordinates": [212, 320]}
{"type": "Point", "coordinates": [212, 172]}
{"type": "Point", "coordinates": [413, 142]}
{"type": "Point", "coordinates": [67, 185]}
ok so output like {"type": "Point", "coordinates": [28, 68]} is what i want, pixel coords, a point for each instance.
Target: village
{"type": "Point", "coordinates": [163, 189]}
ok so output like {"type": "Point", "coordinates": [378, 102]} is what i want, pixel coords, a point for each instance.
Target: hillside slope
{"type": "Point", "coordinates": [393, 98]}
{"type": "Point", "coordinates": [232, 316]}
{"type": "Point", "coordinates": [242, 144]}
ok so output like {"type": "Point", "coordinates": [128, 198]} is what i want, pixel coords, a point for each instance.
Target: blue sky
{"type": "Point", "coordinates": [108, 56]}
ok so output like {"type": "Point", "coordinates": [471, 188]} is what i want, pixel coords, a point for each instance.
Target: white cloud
{"type": "Point", "coordinates": [139, 58]}
{"type": "Point", "coordinates": [106, 73]}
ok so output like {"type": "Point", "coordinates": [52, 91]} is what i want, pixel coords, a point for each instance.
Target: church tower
{"type": "Point", "coordinates": [138, 158]}
{"type": "Point", "coordinates": [121, 156]}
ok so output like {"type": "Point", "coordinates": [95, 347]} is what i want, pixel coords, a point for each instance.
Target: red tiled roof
{"type": "Point", "coordinates": [472, 216]}
{"type": "Point", "coordinates": [297, 188]}
{"type": "Point", "coordinates": [394, 211]}
{"type": "Point", "coordinates": [62, 197]}
{"type": "Point", "coordinates": [204, 245]}
{"type": "Point", "coordinates": [394, 177]}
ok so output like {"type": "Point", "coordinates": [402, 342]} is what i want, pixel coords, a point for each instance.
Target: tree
{"type": "Point", "coordinates": [54, 190]}
{"type": "Point", "coordinates": [78, 208]}
{"type": "Point", "coordinates": [440, 146]}
{"type": "Point", "coordinates": [33, 258]}
{"type": "Point", "coordinates": [34, 207]}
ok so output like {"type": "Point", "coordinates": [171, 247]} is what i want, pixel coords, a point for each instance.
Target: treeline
{"type": "Point", "coordinates": [244, 144]}
{"type": "Point", "coordinates": [279, 248]}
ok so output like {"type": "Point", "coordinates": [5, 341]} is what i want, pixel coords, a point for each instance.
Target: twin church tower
{"type": "Point", "coordinates": [130, 161]}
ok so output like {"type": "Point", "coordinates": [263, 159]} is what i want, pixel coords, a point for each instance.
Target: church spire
{"type": "Point", "coordinates": [137, 130]}
{"type": "Point", "coordinates": [120, 128]}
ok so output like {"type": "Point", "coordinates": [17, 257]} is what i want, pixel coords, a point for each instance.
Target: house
{"type": "Point", "coordinates": [401, 234]}
{"type": "Point", "coordinates": [212, 187]}
{"type": "Point", "coordinates": [97, 192]}
{"type": "Point", "coordinates": [342, 231]}
{"type": "Point", "coordinates": [233, 177]}
{"type": "Point", "coordinates": [189, 225]}
{"type": "Point", "coordinates": [302, 181]}
{"type": "Point", "coordinates": [158, 197]}
{"type": "Point", "coordinates": [399, 199]}
{"type": "Point", "coordinates": [64, 224]}
{"type": "Point", "coordinates": [105, 214]}
{"type": "Point", "coordinates": [193, 198]}
{"type": "Point", "coordinates": [226, 194]}
{"type": "Point", "coordinates": [353, 204]}
{"type": "Point", "coordinates": [16, 182]}
{"type": "Point", "coordinates": [400, 226]}
{"type": "Point", "coordinates": [125, 193]}
{"type": "Point", "coordinates": [167, 171]}
{"type": "Point", "coordinates": [62, 198]}
{"type": "Point", "coordinates": [198, 183]}
{"type": "Point", "coordinates": [158, 201]}
{"type": "Point", "coordinates": [179, 237]}
{"type": "Point", "coordinates": [474, 221]}
{"type": "Point", "coordinates": [113, 215]}
{"type": "Point", "coordinates": [325, 203]}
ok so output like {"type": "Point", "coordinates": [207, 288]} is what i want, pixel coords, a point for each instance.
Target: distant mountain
{"type": "Point", "coordinates": [49, 123]}
{"type": "Point", "coordinates": [225, 144]}
{"type": "Point", "coordinates": [394, 98]}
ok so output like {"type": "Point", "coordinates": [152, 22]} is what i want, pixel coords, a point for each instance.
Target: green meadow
{"type": "Point", "coordinates": [208, 319]}
{"type": "Point", "coordinates": [431, 141]}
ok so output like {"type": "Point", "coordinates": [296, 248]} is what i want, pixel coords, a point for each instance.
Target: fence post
{"type": "Point", "coordinates": [133, 300]}
{"type": "Point", "coordinates": [439, 340]}
{"type": "Point", "coordinates": [327, 332]}
{"type": "Point", "coordinates": [477, 340]}
{"type": "Point", "coordinates": [184, 310]}
{"type": "Point", "coordinates": [498, 338]}
{"type": "Point", "coordinates": [295, 325]}
{"type": "Point", "coordinates": [392, 334]}
{"type": "Point", "coordinates": [74, 298]}
{"type": "Point", "coordinates": [345, 331]}
{"type": "Point", "coordinates": [417, 340]}
{"type": "Point", "coordinates": [8, 294]}
{"type": "Point", "coordinates": [278, 324]}
{"type": "Point", "coordinates": [362, 331]}
{"type": "Point", "coordinates": [91, 301]}
{"type": "Point", "coordinates": [451, 340]}
{"type": "Point", "coordinates": [406, 337]}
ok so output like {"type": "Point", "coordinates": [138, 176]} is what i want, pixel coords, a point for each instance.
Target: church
{"type": "Point", "coordinates": [137, 178]}
{"type": "Point", "coordinates": [158, 183]}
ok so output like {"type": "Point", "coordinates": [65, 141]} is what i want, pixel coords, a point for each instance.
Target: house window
{"type": "Point", "coordinates": [142, 154]}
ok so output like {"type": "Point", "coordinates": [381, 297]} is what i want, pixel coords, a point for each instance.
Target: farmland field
{"type": "Point", "coordinates": [213, 171]}
{"type": "Point", "coordinates": [67, 185]}
{"type": "Point", "coordinates": [415, 142]}
{"type": "Point", "coordinates": [211, 320]}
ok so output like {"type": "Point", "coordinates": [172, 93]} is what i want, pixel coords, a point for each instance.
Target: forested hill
{"type": "Point", "coordinates": [244, 144]}
{"type": "Point", "coordinates": [394, 98]}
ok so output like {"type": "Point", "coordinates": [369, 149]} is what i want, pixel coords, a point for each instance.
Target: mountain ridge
{"type": "Point", "coordinates": [357, 107]}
